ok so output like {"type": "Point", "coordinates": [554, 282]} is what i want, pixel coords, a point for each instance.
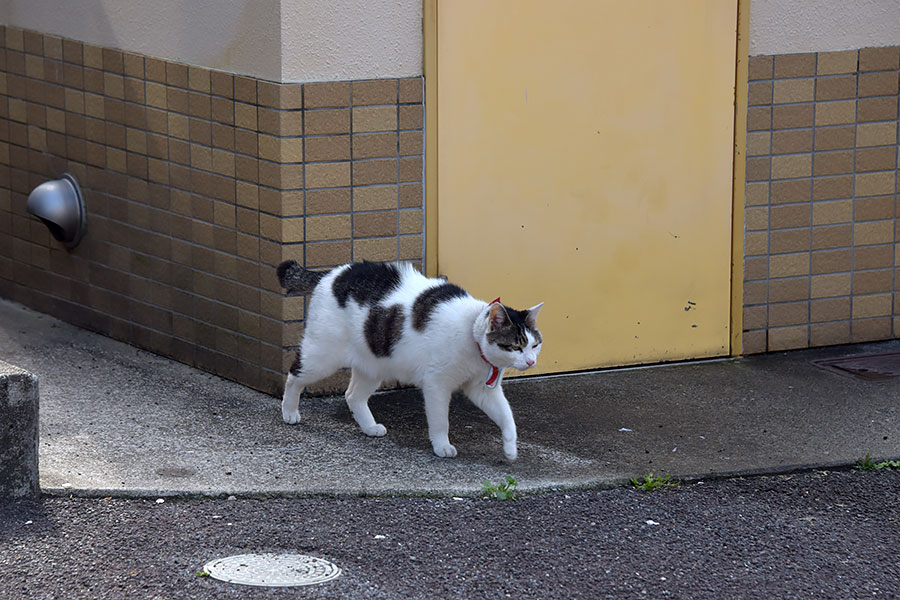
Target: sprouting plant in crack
{"type": "Point", "coordinates": [651, 482]}
{"type": "Point", "coordinates": [505, 490]}
{"type": "Point", "coordinates": [867, 463]}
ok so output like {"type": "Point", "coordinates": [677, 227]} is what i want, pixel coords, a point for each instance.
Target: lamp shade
{"type": "Point", "coordinates": [60, 206]}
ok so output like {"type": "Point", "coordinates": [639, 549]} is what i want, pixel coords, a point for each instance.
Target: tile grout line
{"type": "Point", "coordinates": [894, 307]}
{"type": "Point", "coordinates": [769, 220]}
{"type": "Point", "coordinates": [256, 160]}
{"type": "Point", "coordinates": [811, 203]}
{"type": "Point", "coordinates": [397, 131]}
{"type": "Point", "coordinates": [352, 187]}
{"type": "Point", "coordinates": [853, 202]}
{"type": "Point", "coordinates": [303, 89]}
{"type": "Point", "coordinates": [234, 206]}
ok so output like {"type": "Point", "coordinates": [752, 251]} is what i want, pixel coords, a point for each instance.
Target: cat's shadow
{"type": "Point", "coordinates": [402, 411]}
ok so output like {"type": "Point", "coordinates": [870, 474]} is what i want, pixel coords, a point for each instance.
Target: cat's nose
{"type": "Point", "coordinates": [529, 362]}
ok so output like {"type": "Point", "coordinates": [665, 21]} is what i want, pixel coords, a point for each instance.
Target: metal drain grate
{"type": "Point", "coordinates": [272, 570]}
{"type": "Point", "coordinates": [871, 367]}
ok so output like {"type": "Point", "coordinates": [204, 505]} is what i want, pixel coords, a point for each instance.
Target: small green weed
{"type": "Point", "coordinates": [501, 491]}
{"type": "Point", "coordinates": [651, 482]}
{"type": "Point", "coordinates": [202, 573]}
{"type": "Point", "coordinates": [867, 463]}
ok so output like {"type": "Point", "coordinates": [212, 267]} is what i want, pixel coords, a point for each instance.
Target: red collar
{"type": "Point", "coordinates": [494, 373]}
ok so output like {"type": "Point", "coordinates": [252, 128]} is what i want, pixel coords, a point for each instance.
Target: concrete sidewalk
{"type": "Point", "coordinates": [118, 421]}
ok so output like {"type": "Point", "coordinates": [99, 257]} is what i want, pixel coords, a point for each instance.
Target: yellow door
{"type": "Point", "coordinates": [584, 159]}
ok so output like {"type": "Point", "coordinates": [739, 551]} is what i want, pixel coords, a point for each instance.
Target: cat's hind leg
{"type": "Point", "coordinates": [305, 371]}
{"type": "Point", "coordinates": [437, 411]}
{"type": "Point", "coordinates": [358, 392]}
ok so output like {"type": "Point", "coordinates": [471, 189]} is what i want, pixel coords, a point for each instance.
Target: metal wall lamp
{"type": "Point", "coordinates": [60, 205]}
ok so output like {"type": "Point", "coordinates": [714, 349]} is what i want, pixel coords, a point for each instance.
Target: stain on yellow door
{"type": "Point", "coordinates": [584, 159]}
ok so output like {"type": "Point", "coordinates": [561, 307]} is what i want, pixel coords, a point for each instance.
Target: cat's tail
{"type": "Point", "coordinates": [297, 280]}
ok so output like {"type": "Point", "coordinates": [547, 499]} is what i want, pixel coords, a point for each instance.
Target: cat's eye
{"type": "Point", "coordinates": [536, 345]}
{"type": "Point", "coordinates": [509, 348]}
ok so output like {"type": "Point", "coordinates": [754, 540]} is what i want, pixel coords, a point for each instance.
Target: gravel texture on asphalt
{"type": "Point", "coordinates": [811, 535]}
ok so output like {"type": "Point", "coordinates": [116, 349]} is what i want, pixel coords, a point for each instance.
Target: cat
{"type": "Point", "coordinates": [387, 321]}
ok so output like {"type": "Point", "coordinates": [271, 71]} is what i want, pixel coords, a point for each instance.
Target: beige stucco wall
{"type": "Point", "coordinates": [328, 40]}
{"type": "Point", "coordinates": [792, 26]}
{"type": "Point", "coordinates": [279, 40]}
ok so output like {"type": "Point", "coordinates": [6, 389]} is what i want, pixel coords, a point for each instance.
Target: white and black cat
{"type": "Point", "coordinates": [387, 321]}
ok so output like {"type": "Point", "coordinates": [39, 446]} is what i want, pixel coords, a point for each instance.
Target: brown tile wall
{"type": "Point", "coordinates": [821, 211]}
{"type": "Point", "coordinates": [197, 184]}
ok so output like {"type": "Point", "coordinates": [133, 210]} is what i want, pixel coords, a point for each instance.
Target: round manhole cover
{"type": "Point", "coordinates": [272, 570]}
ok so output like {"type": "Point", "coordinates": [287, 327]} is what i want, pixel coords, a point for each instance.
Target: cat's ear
{"type": "Point", "coordinates": [498, 316]}
{"type": "Point", "coordinates": [531, 317]}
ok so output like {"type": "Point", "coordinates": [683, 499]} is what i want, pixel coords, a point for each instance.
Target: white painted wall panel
{"type": "Point", "coordinates": [790, 26]}
{"type": "Point", "coordinates": [350, 39]}
{"type": "Point", "coordinates": [278, 40]}
{"type": "Point", "coordinates": [241, 36]}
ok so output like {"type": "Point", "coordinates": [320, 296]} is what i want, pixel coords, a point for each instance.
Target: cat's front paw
{"type": "Point", "coordinates": [376, 430]}
{"type": "Point", "coordinates": [291, 417]}
{"type": "Point", "coordinates": [444, 450]}
{"type": "Point", "coordinates": [510, 452]}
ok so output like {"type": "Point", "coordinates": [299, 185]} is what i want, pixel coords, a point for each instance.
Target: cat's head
{"type": "Point", "coordinates": [510, 337]}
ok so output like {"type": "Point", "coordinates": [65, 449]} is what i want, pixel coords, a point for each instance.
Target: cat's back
{"type": "Point", "coordinates": [357, 288]}
{"type": "Point", "coordinates": [422, 298]}
{"type": "Point", "coordinates": [368, 284]}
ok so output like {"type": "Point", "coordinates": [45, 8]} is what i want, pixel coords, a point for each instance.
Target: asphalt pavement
{"type": "Point", "coordinates": [812, 535]}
